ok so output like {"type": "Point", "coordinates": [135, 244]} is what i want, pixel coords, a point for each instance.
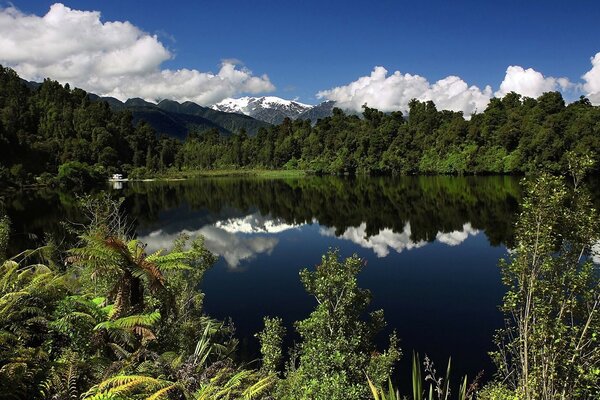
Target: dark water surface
{"type": "Point", "coordinates": [431, 245]}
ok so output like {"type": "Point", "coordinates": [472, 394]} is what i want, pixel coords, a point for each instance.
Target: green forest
{"type": "Point", "coordinates": [55, 134]}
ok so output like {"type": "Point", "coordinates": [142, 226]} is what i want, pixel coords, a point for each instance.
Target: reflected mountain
{"type": "Point", "coordinates": [256, 223]}
{"type": "Point", "coordinates": [380, 242]}
{"type": "Point", "coordinates": [236, 239]}
{"type": "Point", "coordinates": [455, 238]}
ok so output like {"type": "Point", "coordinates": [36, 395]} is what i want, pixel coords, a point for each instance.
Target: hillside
{"type": "Point", "coordinates": [177, 119]}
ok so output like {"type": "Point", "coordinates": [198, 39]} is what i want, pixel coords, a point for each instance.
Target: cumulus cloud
{"type": "Point", "coordinates": [233, 248]}
{"type": "Point", "coordinates": [393, 92]}
{"type": "Point", "coordinates": [381, 243]}
{"type": "Point", "coordinates": [111, 58]}
{"type": "Point", "coordinates": [256, 223]}
{"type": "Point", "coordinates": [592, 80]}
{"type": "Point", "coordinates": [529, 82]}
{"type": "Point", "coordinates": [455, 238]}
{"type": "Point", "coordinates": [386, 239]}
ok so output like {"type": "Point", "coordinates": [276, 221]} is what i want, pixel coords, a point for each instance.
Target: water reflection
{"type": "Point", "coordinates": [387, 239]}
{"type": "Point", "coordinates": [242, 238]}
{"type": "Point", "coordinates": [256, 223]}
{"type": "Point", "coordinates": [432, 243]}
{"type": "Point", "coordinates": [234, 248]}
{"type": "Point", "coordinates": [374, 213]}
{"type": "Point", "coordinates": [380, 242]}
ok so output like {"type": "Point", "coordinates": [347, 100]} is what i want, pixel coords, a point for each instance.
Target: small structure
{"type": "Point", "coordinates": [117, 177]}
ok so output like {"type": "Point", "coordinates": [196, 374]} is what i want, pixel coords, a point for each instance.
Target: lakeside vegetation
{"type": "Point", "coordinates": [57, 135]}
{"type": "Point", "coordinates": [173, 173]}
{"type": "Point", "coordinates": [104, 319]}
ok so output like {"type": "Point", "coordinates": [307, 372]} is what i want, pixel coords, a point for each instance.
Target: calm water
{"type": "Point", "coordinates": [431, 245]}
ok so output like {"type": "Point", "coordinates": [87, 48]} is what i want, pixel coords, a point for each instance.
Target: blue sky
{"type": "Point", "coordinates": [308, 46]}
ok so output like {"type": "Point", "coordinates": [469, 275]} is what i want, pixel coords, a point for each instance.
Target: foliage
{"type": "Point", "coordinates": [550, 347]}
{"type": "Point", "coordinates": [337, 346]}
{"type": "Point", "coordinates": [51, 126]}
{"type": "Point", "coordinates": [4, 235]}
{"type": "Point", "coordinates": [271, 340]}
{"type": "Point", "coordinates": [514, 135]}
{"type": "Point", "coordinates": [78, 175]}
{"type": "Point", "coordinates": [439, 388]}
{"type": "Point", "coordinates": [28, 294]}
{"type": "Point", "coordinates": [148, 336]}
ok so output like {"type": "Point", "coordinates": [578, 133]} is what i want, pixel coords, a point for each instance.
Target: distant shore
{"type": "Point", "coordinates": [190, 174]}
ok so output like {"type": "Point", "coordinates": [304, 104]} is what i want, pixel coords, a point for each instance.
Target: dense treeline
{"type": "Point", "coordinates": [513, 135]}
{"type": "Point", "coordinates": [51, 126]}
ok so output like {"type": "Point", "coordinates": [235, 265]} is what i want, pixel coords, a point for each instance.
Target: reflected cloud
{"type": "Point", "coordinates": [596, 252]}
{"type": "Point", "coordinates": [256, 223]}
{"type": "Point", "coordinates": [233, 248]}
{"type": "Point", "coordinates": [387, 239]}
{"type": "Point", "coordinates": [455, 238]}
{"type": "Point", "coordinates": [381, 243]}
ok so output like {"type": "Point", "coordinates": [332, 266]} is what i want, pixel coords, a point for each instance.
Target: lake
{"type": "Point", "coordinates": [431, 247]}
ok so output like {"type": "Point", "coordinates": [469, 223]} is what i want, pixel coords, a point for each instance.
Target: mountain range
{"type": "Point", "coordinates": [273, 109]}
{"type": "Point", "coordinates": [267, 108]}
{"type": "Point", "coordinates": [178, 119]}
{"type": "Point", "coordinates": [228, 116]}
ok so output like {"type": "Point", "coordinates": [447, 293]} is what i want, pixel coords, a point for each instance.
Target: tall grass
{"type": "Point", "coordinates": [428, 388]}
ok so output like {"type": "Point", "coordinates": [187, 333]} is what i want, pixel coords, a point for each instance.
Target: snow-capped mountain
{"type": "Point", "coordinates": [270, 109]}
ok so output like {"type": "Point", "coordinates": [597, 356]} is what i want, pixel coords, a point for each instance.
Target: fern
{"type": "Point", "coordinates": [123, 386]}
{"type": "Point", "coordinates": [131, 322]}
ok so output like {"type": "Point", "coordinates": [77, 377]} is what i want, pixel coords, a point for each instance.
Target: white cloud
{"type": "Point", "coordinates": [387, 239]}
{"type": "Point", "coordinates": [111, 58]}
{"type": "Point", "coordinates": [592, 80]}
{"type": "Point", "coordinates": [381, 243]}
{"type": "Point", "coordinates": [233, 248]}
{"type": "Point", "coordinates": [455, 238]}
{"type": "Point", "coordinates": [255, 223]}
{"type": "Point", "coordinates": [529, 82]}
{"type": "Point", "coordinates": [393, 93]}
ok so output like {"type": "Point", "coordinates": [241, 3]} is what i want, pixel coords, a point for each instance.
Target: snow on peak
{"type": "Point", "coordinates": [252, 105]}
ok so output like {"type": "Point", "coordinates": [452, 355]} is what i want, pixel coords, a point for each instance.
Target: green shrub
{"type": "Point", "coordinates": [78, 175]}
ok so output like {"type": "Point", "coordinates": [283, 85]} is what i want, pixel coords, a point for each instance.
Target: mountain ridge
{"type": "Point", "coordinates": [229, 116]}
{"type": "Point", "coordinates": [272, 109]}
{"type": "Point", "coordinates": [178, 119]}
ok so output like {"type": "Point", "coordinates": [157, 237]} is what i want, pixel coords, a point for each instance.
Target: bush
{"type": "Point", "coordinates": [80, 176]}
{"type": "Point", "coordinates": [140, 173]}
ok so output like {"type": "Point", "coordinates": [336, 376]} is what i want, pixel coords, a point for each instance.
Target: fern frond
{"type": "Point", "coordinates": [259, 387]}
{"type": "Point", "coordinates": [163, 393]}
{"type": "Point", "coordinates": [131, 321]}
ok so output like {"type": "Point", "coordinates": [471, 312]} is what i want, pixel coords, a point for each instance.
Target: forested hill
{"type": "Point", "coordinates": [177, 119]}
{"type": "Point", "coordinates": [44, 128]}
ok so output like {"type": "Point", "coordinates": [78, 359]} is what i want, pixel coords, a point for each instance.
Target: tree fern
{"type": "Point", "coordinates": [131, 322]}
{"type": "Point", "coordinates": [126, 386]}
